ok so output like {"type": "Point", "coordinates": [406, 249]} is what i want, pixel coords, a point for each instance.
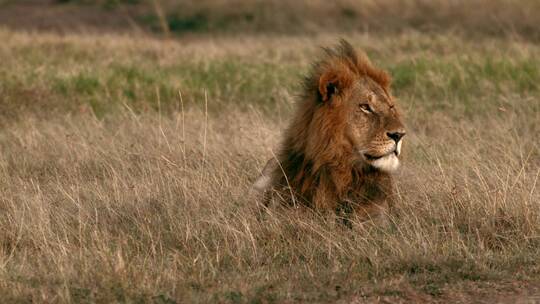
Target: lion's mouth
{"type": "Point", "coordinates": [370, 157]}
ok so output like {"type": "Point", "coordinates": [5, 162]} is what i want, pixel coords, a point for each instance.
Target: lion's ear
{"type": "Point", "coordinates": [333, 81]}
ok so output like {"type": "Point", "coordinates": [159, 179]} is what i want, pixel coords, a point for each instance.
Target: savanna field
{"type": "Point", "coordinates": [126, 162]}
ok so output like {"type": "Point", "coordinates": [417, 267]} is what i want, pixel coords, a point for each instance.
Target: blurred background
{"type": "Point", "coordinates": [518, 18]}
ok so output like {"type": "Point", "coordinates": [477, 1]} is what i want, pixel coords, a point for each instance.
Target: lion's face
{"type": "Point", "coordinates": [373, 125]}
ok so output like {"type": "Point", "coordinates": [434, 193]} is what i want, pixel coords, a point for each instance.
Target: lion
{"type": "Point", "coordinates": [344, 140]}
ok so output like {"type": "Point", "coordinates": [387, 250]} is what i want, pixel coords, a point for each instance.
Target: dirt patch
{"type": "Point", "coordinates": [515, 292]}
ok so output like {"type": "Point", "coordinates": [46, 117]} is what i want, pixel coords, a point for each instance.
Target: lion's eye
{"type": "Point", "coordinates": [366, 108]}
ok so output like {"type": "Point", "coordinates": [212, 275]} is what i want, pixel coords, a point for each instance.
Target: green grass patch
{"type": "Point", "coordinates": [74, 76]}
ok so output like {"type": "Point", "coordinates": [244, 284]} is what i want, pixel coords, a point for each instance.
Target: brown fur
{"type": "Point", "coordinates": [319, 165]}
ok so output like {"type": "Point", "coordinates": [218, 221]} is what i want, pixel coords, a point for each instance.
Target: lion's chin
{"type": "Point", "coordinates": [387, 163]}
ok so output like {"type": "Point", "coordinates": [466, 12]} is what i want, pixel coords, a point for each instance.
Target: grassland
{"type": "Point", "coordinates": [470, 18]}
{"type": "Point", "coordinates": [125, 162]}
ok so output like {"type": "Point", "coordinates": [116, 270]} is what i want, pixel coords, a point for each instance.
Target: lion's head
{"type": "Point", "coordinates": [348, 111]}
{"type": "Point", "coordinates": [347, 130]}
{"type": "Point", "coordinates": [373, 124]}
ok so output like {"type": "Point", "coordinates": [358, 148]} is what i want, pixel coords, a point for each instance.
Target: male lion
{"type": "Point", "coordinates": [343, 142]}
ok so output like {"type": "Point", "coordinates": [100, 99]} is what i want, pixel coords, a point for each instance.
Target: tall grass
{"type": "Point", "coordinates": [150, 204]}
{"type": "Point", "coordinates": [477, 18]}
{"type": "Point", "coordinates": [474, 18]}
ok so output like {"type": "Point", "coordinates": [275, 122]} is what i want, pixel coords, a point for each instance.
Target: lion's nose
{"type": "Point", "coordinates": [396, 136]}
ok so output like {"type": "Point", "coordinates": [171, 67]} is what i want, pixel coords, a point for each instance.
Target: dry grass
{"type": "Point", "coordinates": [471, 17]}
{"type": "Point", "coordinates": [474, 18]}
{"type": "Point", "coordinates": [141, 205]}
